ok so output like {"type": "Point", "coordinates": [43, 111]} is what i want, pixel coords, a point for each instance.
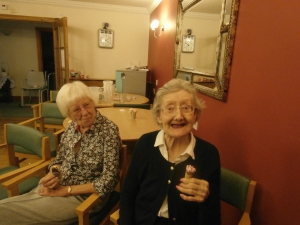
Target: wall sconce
{"type": "Point", "coordinates": [154, 26]}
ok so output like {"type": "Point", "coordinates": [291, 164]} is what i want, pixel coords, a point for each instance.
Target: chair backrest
{"type": "Point", "coordinates": [237, 190]}
{"type": "Point", "coordinates": [28, 138]}
{"type": "Point", "coordinates": [50, 110]}
{"type": "Point", "coordinates": [35, 78]}
{"type": "Point", "coordinates": [53, 94]}
{"type": "Point", "coordinates": [123, 164]}
{"type": "Point", "coordinates": [140, 106]}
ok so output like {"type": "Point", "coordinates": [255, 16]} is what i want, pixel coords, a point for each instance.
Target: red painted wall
{"type": "Point", "coordinates": [161, 50]}
{"type": "Point", "coordinates": [257, 131]}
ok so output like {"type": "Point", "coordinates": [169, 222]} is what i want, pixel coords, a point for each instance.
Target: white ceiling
{"type": "Point", "coordinates": [204, 6]}
{"type": "Point", "coordinates": [132, 3]}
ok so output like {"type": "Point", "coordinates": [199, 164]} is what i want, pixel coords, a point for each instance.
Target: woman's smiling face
{"type": "Point", "coordinates": [177, 114]}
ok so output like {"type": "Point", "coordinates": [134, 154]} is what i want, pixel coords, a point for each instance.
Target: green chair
{"type": "Point", "coordinates": [140, 106]}
{"type": "Point", "coordinates": [54, 139]}
{"type": "Point", "coordinates": [84, 217]}
{"type": "Point", "coordinates": [237, 191]}
{"type": "Point", "coordinates": [28, 138]}
{"type": "Point", "coordinates": [53, 94]}
{"type": "Point", "coordinates": [53, 119]}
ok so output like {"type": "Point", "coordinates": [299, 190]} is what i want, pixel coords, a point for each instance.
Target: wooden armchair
{"type": "Point", "coordinates": [54, 139]}
{"type": "Point", "coordinates": [28, 138]}
{"type": "Point", "coordinates": [238, 191]}
{"type": "Point", "coordinates": [14, 186]}
{"type": "Point", "coordinates": [53, 119]}
{"type": "Point", "coordinates": [84, 218]}
{"type": "Point", "coordinates": [53, 94]}
{"type": "Point", "coordinates": [113, 203]}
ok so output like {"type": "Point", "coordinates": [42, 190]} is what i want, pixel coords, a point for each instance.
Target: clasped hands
{"type": "Point", "coordinates": [50, 186]}
{"type": "Point", "coordinates": [193, 190]}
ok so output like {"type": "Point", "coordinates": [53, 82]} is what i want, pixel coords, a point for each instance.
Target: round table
{"type": "Point", "coordinates": [130, 129]}
{"type": "Point", "coordinates": [130, 99]}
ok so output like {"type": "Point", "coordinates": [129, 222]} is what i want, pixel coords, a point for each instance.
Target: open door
{"type": "Point", "coordinates": [61, 51]}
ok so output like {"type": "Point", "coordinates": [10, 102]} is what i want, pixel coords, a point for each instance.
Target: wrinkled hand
{"type": "Point", "coordinates": [50, 181]}
{"type": "Point", "coordinates": [59, 191]}
{"type": "Point", "coordinates": [193, 190]}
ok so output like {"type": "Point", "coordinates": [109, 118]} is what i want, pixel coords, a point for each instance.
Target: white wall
{"type": "Point", "coordinates": [131, 28]}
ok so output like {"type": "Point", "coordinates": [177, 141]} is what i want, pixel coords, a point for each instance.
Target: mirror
{"type": "Point", "coordinates": [205, 40]}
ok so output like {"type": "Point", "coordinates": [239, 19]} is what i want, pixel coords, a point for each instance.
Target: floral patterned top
{"type": "Point", "coordinates": [97, 160]}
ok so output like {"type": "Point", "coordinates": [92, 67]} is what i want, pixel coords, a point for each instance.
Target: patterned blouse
{"type": "Point", "coordinates": [97, 160]}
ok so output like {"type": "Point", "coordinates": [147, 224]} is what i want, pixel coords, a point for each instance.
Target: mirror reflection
{"type": "Point", "coordinates": [206, 39]}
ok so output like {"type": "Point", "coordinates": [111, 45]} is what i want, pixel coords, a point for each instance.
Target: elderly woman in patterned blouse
{"type": "Point", "coordinates": [87, 162]}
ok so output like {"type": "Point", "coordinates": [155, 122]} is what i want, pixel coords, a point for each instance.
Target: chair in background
{"type": "Point", "coordinates": [35, 81]}
{"type": "Point", "coordinates": [25, 137]}
{"type": "Point", "coordinates": [140, 106]}
{"type": "Point", "coordinates": [237, 191]}
{"type": "Point", "coordinates": [102, 217]}
{"type": "Point", "coordinates": [53, 94]}
{"type": "Point", "coordinates": [26, 153]}
{"type": "Point", "coordinates": [53, 119]}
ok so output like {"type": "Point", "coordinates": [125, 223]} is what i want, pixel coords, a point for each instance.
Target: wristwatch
{"type": "Point", "coordinates": [69, 190]}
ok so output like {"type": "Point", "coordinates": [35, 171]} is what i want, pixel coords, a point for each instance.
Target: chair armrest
{"type": "Point", "coordinates": [12, 185]}
{"type": "Point", "coordinates": [83, 209]}
{"type": "Point", "coordinates": [245, 220]}
{"type": "Point", "coordinates": [36, 110]}
{"type": "Point", "coordinates": [14, 173]}
{"type": "Point", "coordinates": [114, 217]}
{"type": "Point", "coordinates": [34, 120]}
{"type": "Point", "coordinates": [57, 136]}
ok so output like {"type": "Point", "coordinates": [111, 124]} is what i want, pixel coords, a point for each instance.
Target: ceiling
{"type": "Point", "coordinates": [131, 3]}
{"type": "Point", "coordinates": [205, 6]}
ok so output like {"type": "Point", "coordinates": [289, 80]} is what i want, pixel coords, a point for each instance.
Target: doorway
{"type": "Point", "coordinates": [46, 61]}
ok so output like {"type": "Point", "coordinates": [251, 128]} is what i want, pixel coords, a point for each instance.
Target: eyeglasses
{"type": "Point", "coordinates": [171, 110]}
{"type": "Point", "coordinates": [77, 110]}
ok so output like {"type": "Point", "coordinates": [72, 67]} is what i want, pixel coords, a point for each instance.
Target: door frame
{"type": "Point", "coordinates": [61, 76]}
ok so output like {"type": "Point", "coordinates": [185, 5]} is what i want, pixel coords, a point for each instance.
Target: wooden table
{"type": "Point", "coordinates": [130, 129]}
{"type": "Point", "coordinates": [131, 99]}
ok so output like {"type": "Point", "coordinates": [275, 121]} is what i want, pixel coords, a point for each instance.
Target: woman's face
{"type": "Point", "coordinates": [83, 112]}
{"type": "Point", "coordinates": [177, 114]}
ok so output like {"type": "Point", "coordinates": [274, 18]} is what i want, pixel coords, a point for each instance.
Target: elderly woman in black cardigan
{"type": "Point", "coordinates": [156, 189]}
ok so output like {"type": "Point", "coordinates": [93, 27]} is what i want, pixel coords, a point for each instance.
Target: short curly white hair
{"type": "Point", "coordinates": [70, 93]}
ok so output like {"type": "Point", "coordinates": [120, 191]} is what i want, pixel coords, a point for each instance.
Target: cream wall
{"type": "Point", "coordinates": [131, 27]}
{"type": "Point", "coordinates": [19, 50]}
{"type": "Point", "coordinates": [205, 27]}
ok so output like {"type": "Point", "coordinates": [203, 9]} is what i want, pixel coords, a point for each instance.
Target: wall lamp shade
{"type": "Point", "coordinates": [154, 26]}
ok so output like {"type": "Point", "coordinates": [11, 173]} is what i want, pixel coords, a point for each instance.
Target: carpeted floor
{"type": "Point", "coordinates": [13, 109]}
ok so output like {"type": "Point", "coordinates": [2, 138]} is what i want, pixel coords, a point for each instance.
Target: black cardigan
{"type": "Point", "coordinates": [147, 184]}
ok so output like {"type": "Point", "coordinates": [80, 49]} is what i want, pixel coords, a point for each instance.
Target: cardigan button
{"type": "Point", "coordinates": [172, 168]}
{"type": "Point", "coordinates": [169, 182]}
{"type": "Point", "coordinates": [174, 219]}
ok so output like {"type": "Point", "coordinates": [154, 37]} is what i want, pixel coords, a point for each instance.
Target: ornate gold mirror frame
{"type": "Point", "coordinates": [212, 83]}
